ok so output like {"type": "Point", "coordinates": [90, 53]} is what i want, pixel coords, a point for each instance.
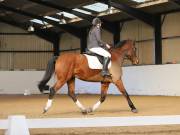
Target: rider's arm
{"type": "Point", "coordinates": [98, 37]}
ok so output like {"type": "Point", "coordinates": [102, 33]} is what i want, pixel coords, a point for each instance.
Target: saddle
{"type": "Point", "coordinates": [100, 58]}
{"type": "Point", "coordinates": [95, 61]}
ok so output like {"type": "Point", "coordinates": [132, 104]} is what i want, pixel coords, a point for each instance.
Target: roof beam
{"type": "Point", "coordinates": [176, 1]}
{"type": "Point", "coordinates": [13, 23]}
{"type": "Point", "coordinates": [136, 13]}
{"type": "Point", "coordinates": [133, 12]}
{"type": "Point", "coordinates": [89, 18]}
{"type": "Point", "coordinates": [109, 26]}
{"type": "Point", "coordinates": [55, 6]}
{"type": "Point", "coordinates": [67, 28]}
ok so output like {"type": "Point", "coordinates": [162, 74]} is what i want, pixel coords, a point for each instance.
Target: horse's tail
{"type": "Point", "coordinates": [47, 76]}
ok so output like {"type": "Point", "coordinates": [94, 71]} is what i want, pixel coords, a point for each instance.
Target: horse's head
{"type": "Point", "coordinates": [129, 50]}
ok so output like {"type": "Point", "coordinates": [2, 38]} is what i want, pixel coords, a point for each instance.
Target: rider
{"type": "Point", "coordinates": [96, 45]}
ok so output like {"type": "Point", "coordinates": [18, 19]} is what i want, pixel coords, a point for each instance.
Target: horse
{"type": "Point", "coordinates": [69, 66]}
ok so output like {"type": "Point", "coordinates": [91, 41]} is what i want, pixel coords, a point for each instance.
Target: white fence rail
{"type": "Point", "coordinates": [19, 125]}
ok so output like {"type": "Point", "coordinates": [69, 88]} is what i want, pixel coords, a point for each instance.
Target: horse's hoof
{"type": "Point", "coordinates": [134, 110]}
{"type": "Point", "coordinates": [84, 112]}
{"type": "Point", "coordinates": [41, 91]}
{"type": "Point", "coordinates": [44, 111]}
{"type": "Point", "coordinates": [89, 110]}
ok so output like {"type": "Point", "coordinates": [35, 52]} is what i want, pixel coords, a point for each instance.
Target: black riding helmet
{"type": "Point", "coordinates": [96, 21]}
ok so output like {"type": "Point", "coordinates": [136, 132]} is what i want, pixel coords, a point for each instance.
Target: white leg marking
{"type": "Point", "coordinates": [48, 104]}
{"type": "Point", "coordinates": [80, 105]}
{"type": "Point", "coordinates": [96, 105]}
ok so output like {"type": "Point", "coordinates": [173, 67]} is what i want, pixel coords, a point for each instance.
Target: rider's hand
{"type": "Point", "coordinates": [108, 46]}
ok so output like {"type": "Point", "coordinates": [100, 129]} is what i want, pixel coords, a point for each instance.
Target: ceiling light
{"type": "Point", "coordinates": [110, 11]}
{"type": "Point", "coordinates": [31, 28]}
{"type": "Point", "coordinates": [62, 21]}
{"type": "Point", "coordinates": [139, 1]}
{"type": "Point", "coordinates": [61, 18]}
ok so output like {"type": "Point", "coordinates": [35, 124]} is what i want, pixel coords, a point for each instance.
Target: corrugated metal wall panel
{"type": "Point", "coordinates": [31, 60]}
{"type": "Point", "coordinates": [16, 61]}
{"type": "Point", "coordinates": [22, 60]}
{"type": "Point", "coordinates": [171, 49]}
{"type": "Point", "coordinates": [107, 37]}
{"type": "Point", "coordinates": [69, 42]}
{"type": "Point", "coordinates": [171, 26]}
{"type": "Point", "coordinates": [5, 61]}
{"type": "Point", "coordinates": [23, 43]}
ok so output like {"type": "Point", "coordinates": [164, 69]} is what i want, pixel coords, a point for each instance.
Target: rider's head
{"type": "Point", "coordinates": [96, 21]}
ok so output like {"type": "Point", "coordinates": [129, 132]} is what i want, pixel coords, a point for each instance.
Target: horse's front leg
{"type": "Point", "coordinates": [104, 89]}
{"type": "Point", "coordinates": [122, 89]}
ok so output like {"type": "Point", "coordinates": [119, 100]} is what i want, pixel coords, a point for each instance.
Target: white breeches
{"type": "Point", "coordinates": [100, 51]}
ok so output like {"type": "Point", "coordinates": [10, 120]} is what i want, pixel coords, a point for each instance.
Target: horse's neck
{"type": "Point", "coordinates": [118, 51]}
{"type": "Point", "coordinates": [118, 54]}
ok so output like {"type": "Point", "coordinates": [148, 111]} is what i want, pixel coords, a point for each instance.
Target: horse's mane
{"type": "Point", "coordinates": [120, 44]}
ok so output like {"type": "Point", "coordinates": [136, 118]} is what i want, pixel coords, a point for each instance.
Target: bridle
{"type": "Point", "coordinates": [129, 57]}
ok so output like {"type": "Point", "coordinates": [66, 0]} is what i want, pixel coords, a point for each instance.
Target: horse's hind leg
{"type": "Point", "coordinates": [104, 89]}
{"type": "Point", "coordinates": [71, 93]}
{"type": "Point", "coordinates": [121, 88]}
{"type": "Point", "coordinates": [53, 91]}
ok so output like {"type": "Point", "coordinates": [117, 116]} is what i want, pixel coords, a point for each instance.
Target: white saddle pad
{"type": "Point", "coordinates": [94, 63]}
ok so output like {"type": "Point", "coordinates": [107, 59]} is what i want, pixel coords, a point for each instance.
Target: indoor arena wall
{"type": "Point", "coordinates": [138, 80]}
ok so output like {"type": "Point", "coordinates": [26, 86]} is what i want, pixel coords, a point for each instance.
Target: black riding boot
{"type": "Point", "coordinates": [105, 71]}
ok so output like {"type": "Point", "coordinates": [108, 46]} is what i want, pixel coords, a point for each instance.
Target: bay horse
{"type": "Point", "coordinates": [69, 66]}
